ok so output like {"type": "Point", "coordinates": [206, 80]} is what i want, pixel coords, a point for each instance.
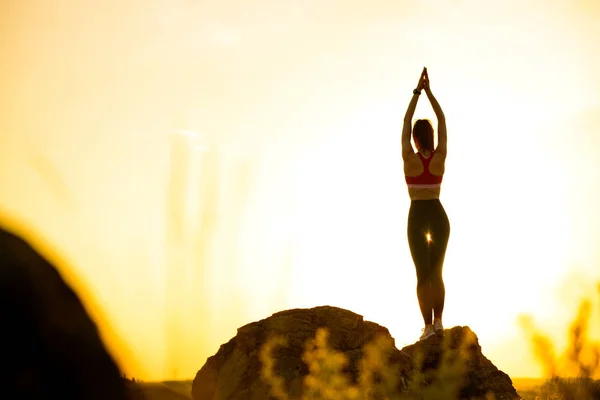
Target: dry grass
{"type": "Point", "coordinates": [377, 379]}
{"type": "Point", "coordinates": [574, 374]}
{"type": "Point", "coordinates": [571, 376]}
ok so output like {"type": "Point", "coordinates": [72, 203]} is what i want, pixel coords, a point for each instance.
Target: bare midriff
{"type": "Point", "coordinates": [424, 193]}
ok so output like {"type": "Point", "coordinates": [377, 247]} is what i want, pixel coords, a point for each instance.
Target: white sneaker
{"type": "Point", "coordinates": [428, 332]}
{"type": "Point", "coordinates": [438, 327]}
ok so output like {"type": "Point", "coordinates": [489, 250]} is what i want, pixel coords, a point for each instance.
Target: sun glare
{"type": "Point", "coordinates": [269, 175]}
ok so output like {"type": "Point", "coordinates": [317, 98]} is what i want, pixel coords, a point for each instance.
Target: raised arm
{"type": "Point", "coordinates": [407, 126]}
{"type": "Point", "coordinates": [442, 134]}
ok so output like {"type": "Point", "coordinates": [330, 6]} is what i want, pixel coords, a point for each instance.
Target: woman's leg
{"type": "Point", "coordinates": [438, 294]}
{"type": "Point", "coordinates": [425, 296]}
{"type": "Point", "coordinates": [417, 229]}
{"type": "Point", "coordinates": [440, 235]}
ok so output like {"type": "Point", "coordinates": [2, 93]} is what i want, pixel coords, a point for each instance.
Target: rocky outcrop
{"type": "Point", "coordinates": [453, 367]}
{"type": "Point", "coordinates": [51, 347]}
{"type": "Point", "coordinates": [460, 353]}
{"type": "Point", "coordinates": [234, 372]}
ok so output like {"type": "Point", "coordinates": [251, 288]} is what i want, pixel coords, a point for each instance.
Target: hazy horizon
{"type": "Point", "coordinates": [201, 165]}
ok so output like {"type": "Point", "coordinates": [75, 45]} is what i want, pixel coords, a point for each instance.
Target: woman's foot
{"type": "Point", "coordinates": [438, 327]}
{"type": "Point", "coordinates": [428, 332]}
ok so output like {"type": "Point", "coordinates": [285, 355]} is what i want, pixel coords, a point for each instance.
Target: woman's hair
{"type": "Point", "coordinates": [423, 135]}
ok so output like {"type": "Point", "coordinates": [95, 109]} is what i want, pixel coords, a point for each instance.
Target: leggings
{"type": "Point", "coordinates": [429, 217]}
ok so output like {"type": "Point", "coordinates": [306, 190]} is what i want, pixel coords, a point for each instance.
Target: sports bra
{"type": "Point", "coordinates": [426, 180]}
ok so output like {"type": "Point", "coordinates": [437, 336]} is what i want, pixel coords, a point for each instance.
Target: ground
{"type": "Point", "coordinates": [180, 390]}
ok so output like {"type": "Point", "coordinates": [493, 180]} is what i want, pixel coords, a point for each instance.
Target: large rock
{"type": "Point", "coordinates": [50, 347]}
{"type": "Point", "coordinates": [460, 354]}
{"type": "Point", "coordinates": [233, 373]}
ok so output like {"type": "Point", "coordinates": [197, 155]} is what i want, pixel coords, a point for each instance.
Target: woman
{"type": "Point", "coordinates": [428, 225]}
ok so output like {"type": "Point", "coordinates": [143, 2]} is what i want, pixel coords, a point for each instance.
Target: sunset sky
{"type": "Point", "coordinates": [193, 166]}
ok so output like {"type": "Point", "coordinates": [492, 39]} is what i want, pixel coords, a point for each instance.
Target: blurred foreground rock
{"type": "Point", "coordinates": [453, 367]}
{"type": "Point", "coordinates": [51, 347]}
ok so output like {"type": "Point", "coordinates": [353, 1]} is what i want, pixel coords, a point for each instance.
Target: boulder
{"type": "Point", "coordinates": [459, 355]}
{"type": "Point", "coordinates": [453, 365]}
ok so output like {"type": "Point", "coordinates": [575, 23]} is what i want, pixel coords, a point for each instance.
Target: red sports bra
{"type": "Point", "coordinates": [426, 180]}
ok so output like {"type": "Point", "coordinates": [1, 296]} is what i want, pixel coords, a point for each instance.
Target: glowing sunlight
{"type": "Point", "coordinates": [199, 166]}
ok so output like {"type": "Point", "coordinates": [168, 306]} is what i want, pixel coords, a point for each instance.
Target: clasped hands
{"type": "Point", "coordinates": [423, 81]}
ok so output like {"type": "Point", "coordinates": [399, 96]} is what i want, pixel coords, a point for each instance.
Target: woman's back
{"type": "Point", "coordinates": [424, 174]}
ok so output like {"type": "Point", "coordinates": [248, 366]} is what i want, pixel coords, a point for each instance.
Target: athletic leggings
{"type": "Point", "coordinates": [429, 217]}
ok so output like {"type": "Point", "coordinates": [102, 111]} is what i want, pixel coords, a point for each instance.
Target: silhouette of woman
{"type": "Point", "coordinates": [428, 226]}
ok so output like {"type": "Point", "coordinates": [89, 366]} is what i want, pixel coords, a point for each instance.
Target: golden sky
{"type": "Point", "coordinates": [200, 165]}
